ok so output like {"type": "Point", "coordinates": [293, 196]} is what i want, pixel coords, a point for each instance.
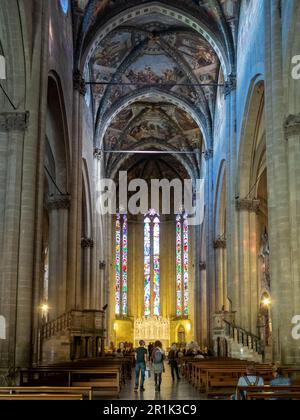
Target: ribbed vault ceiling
{"type": "Point", "coordinates": [154, 47]}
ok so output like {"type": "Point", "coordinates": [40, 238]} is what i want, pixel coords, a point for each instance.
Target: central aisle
{"type": "Point", "coordinates": [170, 390]}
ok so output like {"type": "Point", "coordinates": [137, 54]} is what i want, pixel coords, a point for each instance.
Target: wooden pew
{"type": "Point", "coordinates": [215, 374]}
{"type": "Point", "coordinates": [85, 391]}
{"type": "Point", "coordinates": [273, 396]}
{"type": "Point", "coordinates": [229, 377]}
{"type": "Point", "coordinates": [41, 397]}
{"type": "Point", "coordinates": [103, 380]}
{"type": "Point", "coordinates": [267, 389]}
{"type": "Point", "coordinates": [107, 383]}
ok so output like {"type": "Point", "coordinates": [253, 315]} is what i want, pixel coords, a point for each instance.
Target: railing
{"type": "Point", "coordinates": [243, 337]}
{"type": "Point", "coordinates": [75, 322]}
{"type": "Point", "coordinates": [53, 328]}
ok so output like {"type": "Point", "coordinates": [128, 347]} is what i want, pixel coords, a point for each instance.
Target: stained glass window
{"type": "Point", "coordinates": [147, 266]}
{"type": "Point", "coordinates": [121, 281]}
{"type": "Point", "coordinates": [178, 267]}
{"type": "Point", "coordinates": [124, 266]}
{"type": "Point", "coordinates": [152, 264]}
{"type": "Point", "coordinates": [118, 267]}
{"type": "Point", "coordinates": [182, 266]}
{"type": "Point", "coordinates": [186, 266]}
{"type": "Point", "coordinates": [156, 267]}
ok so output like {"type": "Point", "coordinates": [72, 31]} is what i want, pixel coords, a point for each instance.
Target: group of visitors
{"type": "Point", "coordinates": [156, 357]}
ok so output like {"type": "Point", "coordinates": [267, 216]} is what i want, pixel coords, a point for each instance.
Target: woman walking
{"type": "Point", "coordinates": [157, 358]}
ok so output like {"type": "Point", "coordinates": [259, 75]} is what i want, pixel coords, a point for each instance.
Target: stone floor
{"type": "Point", "coordinates": [170, 390]}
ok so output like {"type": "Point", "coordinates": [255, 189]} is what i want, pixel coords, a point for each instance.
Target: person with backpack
{"type": "Point", "coordinates": [250, 379]}
{"type": "Point", "coordinates": [157, 358]}
{"type": "Point", "coordinates": [173, 362]}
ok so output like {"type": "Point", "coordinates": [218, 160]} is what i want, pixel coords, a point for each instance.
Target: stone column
{"type": "Point", "coordinates": [98, 274]}
{"type": "Point", "coordinates": [58, 207]}
{"type": "Point", "coordinates": [247, 212]}
{"type": "Point", "coordinates": [13, 126]}
{"type": "Point", "coordinates": [292, 136]}
{"type": "Point", "coordinates": [210, 257]}
{"type": "Point", "coordinates": [220, 278]}
{"type": "Point", "coordinates": [87, 245]}
{"type": "Point", "coordinates": [231, 222]}
{"type": "Point", "coordinates": [74, 300]}
{"type": "Point", "coordinates": [282, 281]}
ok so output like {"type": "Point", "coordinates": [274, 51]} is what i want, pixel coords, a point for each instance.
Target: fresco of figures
{"type": "Point", "coordinates": [170, 60]}
{"type": "Point", "coordinates": [149, 122]}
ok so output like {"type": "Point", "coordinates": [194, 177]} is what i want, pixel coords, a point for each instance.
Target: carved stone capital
{"type": "Point", "coordinates": [13, 121]}
{"type": "Point", "coordinates": [230, 85]}
{"type": "Point", "coordinates": [249, 205]}
{"type": "Point", "coordinates": [208, 154]}
{"type": "Point", "coordinates": [79, 82]}
{"type": "Point", "coordinates": [87, 243]}
{"type": "Point", "coordinates": [202, 265]}
{"type": "Point", "coordinates": [220, 243]}
{"type": "Point", "coordinates": [98, 153]}
{"type": "Point", "coordinates": [60, 202]}
{"type": "Point", "coordinates": [292, 126]}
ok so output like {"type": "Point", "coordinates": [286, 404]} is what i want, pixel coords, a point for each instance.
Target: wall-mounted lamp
{"type": "Point", "coordinates": [266, 302]}
{"type": "Point", "coordinates": [44, 308]}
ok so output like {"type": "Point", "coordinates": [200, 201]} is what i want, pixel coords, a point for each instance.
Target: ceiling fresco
{"type": "Point", "coordinates": [158, 53]}
{"type": "Point", "coordinates": [153, 53]}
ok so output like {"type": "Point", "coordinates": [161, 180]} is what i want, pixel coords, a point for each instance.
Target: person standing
{"type": "Point", "coordinates": [150, 350]}
{"type": "Point", "coordinates": [140, 368]}
{"type": "Point", "coordinates": [157, 358]}
{"type": "Point", "coordinates": [173, 361]}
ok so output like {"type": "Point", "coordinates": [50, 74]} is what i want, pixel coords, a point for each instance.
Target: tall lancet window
{"type": "Point", "coordinates": [152, 263]}
{"type": "Point", "coordinates": [121, 282]}
{"type": "Point", "coordinates": [182, 266]}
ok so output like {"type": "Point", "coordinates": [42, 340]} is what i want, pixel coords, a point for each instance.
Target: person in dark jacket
{"type": "Point", "coordinates": [173, 361]}
{"type": "Point", "coordinates": [140, 369]}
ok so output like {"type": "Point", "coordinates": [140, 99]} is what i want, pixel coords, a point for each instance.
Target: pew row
{"type": "Point", "coordinates": [41, 397]}
{"type": "Point", "coordinates": [104, 381]}
{"type": "Point", "coordinates": [267, 389]}
{"type": "Point", "coordinates": [87, 392]}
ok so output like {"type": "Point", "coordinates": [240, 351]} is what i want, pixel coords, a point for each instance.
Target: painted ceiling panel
{"type": "Point", "coordinates": [163, 53]}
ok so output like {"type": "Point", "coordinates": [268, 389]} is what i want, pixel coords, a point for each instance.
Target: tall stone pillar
{"type": "Point", "coordinates": [231, 216]}
{"type": "Point", "coordinates": [74, 298]}
{"type": "Point", "coordinates": [220, 246]}
{"type": "Point", "coordinates": [281, 258]}
{"type": "Point", "coordinates": [248, 254]}
{"type": "Point", "coordinates": [13, 126]}
{"type": "Point", "coordinates": [292, 137]}
{"type": "Point", "coordinates": [99, 264]}
{"type": "Point", "coordinates": [58, 207]}
{"type": "Point", "coordinates": [210, 257]}
{"type": "Point", "coordinates": [87, 245]}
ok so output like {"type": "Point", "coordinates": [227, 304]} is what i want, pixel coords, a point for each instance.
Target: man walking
{"type": "Point", "coordinates": [173, 361]}
{"type": "Point", "coordinates": [140, 369]}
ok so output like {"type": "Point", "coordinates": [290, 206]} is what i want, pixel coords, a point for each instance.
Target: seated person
{"type": "Point", "coordinates": [250, 379]}
{"type": "Point", "coordinates": [279, 378]}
